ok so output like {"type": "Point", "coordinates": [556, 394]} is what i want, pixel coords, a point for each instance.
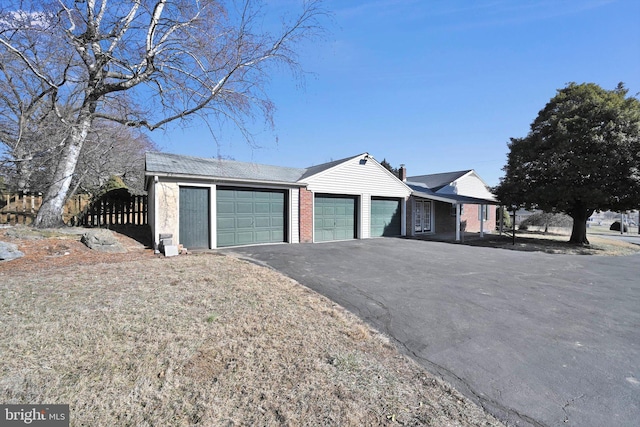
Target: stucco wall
{"type": "Point", "coordinates": [166, 218]}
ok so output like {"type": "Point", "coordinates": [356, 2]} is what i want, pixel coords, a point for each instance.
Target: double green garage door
{"type": "Point", "coordinates": [243, 217]}
{"type": "Point", "coordinates": [247, 216]}
{"type": "Point", "coordinates": [336, 217]}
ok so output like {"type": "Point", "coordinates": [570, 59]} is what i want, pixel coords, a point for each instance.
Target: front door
{"type": "Point", "coordinates": [422, 216]}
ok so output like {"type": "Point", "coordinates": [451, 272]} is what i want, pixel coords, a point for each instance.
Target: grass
{"type": "Point", "coordinates": [604, 230]}
{"type": "Point", "coordinates": [205, 340]}
{"type": "Point", "coordinates": [599, 244]}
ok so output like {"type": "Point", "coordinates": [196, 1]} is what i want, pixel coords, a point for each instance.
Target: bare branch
{"type": "Point", "coordinates": [126, 23]}
{"type": "Point", "coordinates": [32, 67]}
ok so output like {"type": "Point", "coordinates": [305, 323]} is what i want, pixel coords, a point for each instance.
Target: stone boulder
{"type": "Point", "coordinates": [102, 240]}
{"type": "Point", "coordinates": [9, 251]}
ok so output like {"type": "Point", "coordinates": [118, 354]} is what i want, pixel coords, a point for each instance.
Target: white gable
{"type": "Point", "coordinates": [358, 176]}
{"type": "Point", "coordinates": [470, 185]}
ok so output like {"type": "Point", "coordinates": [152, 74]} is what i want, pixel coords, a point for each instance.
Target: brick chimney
{"type": "Point", "coordinates": [403, 173]}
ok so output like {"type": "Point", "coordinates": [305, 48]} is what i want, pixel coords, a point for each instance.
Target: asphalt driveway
{"type": "Point", "coordinates": [536, 339]}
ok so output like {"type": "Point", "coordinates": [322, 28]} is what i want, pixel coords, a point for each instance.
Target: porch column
{"type": "Point", "coordinates": [481, 220]}
{"type": "Point", "coordinates": [457, 222]}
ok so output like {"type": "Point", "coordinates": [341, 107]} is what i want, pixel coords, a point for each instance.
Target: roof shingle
{"type": "Point", "coordinates": [436, 181]}
{"type": "Point", "coordinates": [187, 165]}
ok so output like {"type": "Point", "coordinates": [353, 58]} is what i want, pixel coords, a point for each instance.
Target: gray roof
{"type": "Point", "coordinates": [157, 162]}
{"type": "Point", "coordinates": [313, 170]}
{"type": "Point", "coordinates": [419, 190]}
{"type": "Point", "coordinates": [198, 166]}
{"type": "Point", "coordinates": [436, 181]}
{"type": "Point", "coordinates": [175, 164]}
{"type": "Point", "coordinates": [427, 186]}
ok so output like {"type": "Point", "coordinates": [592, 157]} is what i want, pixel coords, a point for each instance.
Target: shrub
{"type": "Point", "coordinates": [113, 183]}
{"type": "Point", "coordinates": [616, 227]}
{"type": "Point", "coordinates": [506, 218]}
{"type": "Point", "coordinates": [546, 219]}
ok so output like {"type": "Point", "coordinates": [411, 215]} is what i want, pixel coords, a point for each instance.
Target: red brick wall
{"type": "Point", "coordinates": [409, 217]}
{"type": "Point", "coordinates": [470, 215]}
{"type": "Point", "coordinates": [444, 221]}
{"type": "Point", "coordinates": [306, 216]}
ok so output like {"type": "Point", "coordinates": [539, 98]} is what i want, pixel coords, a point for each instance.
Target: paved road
{"type": "Point", "coordinates": [627, 237]}
{"type": "Point", "coordinates": [536, 339]}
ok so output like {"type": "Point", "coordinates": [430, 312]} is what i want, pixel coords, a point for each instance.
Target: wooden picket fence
{"type": "Point", "coordinates": [117, 207]}
{"type": "Point", "coordinates": [22, 208]}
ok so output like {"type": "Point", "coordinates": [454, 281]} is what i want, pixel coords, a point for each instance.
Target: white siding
{"type": "Point", "coordinates": [360, 178]}
{"type": "Point", "coordinates": [469, 185]}
{"type": "Point", "coordinates": [365, 217]}
{"type": "Point", "coordinates": [294, 215]}
{"type": "Point", "coordinates": [403, 218]}
{"type": "Point", "coordinates": [357, 178]}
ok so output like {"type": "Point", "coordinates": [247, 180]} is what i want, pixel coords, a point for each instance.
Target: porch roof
{"type": "Point", "coordinates": [425, 193]}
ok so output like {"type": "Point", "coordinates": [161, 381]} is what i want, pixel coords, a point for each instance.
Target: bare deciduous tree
{"type": "Point", "coordinates": [110, 149]}
{"type": "Point", "coordinates": [140, 63]}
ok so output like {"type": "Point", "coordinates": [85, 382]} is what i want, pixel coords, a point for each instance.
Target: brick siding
{"type": "Point", "coordinates": [409, 217]}
{"type": "Point", "coordinates": [445, 222]}
{"type": "Point", "coordinates": [306, 216]}
{"type": "Point", "coordinates": [470, 217]}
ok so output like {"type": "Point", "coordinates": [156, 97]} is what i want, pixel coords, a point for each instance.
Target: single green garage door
{"type": "Point", "coordinates": [194, 217]}
{"type": "Point", "coordinates": [385, 217]}
{"type": "Point", "coordinates": [246, 216]}
{"type": "Point", "coordinates": [335, 218]}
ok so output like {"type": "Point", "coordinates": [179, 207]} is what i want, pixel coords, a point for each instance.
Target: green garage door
{"type": "Point", "coordinates": [194, 217]}
{"type": "Point", "coordinates": [246, 217]}
{"type": "Point", "coordinates": [335, 218]}
{"type": "Point", "coordinates": [385, 217]}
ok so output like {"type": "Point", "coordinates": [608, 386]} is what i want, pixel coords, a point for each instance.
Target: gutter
{"type": "Point", "coordinates": [222, 180]}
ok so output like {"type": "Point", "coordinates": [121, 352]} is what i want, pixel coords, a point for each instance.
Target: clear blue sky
{"type": "Point", "coordinates": [438, 85]}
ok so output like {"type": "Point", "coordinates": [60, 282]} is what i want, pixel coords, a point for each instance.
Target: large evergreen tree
{"type": "Point", "coordinates": [582, 154]}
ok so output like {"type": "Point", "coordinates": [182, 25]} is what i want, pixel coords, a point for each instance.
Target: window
{"type": "Point", "coordinates": [483, 212]}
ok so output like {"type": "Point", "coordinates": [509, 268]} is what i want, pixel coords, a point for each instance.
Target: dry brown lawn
{"type": "Point", "coordinates": [558, 244]}
{"type": "Point", "coordinates": [141, 340]}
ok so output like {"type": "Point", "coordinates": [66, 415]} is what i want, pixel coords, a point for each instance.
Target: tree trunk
{"type": "Point", "coordinates": [50, 213]}
{"type": "Point", "coordinates": [580, 216]}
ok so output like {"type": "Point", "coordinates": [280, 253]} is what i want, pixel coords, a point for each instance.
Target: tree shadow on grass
{"type": "Point", "coordinates": [553, 244]}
